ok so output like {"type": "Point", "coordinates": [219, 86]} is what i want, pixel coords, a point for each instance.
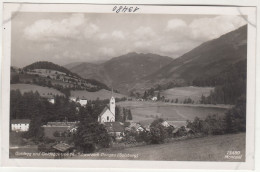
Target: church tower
{"type": "Point", "coordinates": [112, 105]}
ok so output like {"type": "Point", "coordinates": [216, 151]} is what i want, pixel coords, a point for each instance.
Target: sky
{"type": "Point", "coordinates": [64, 38]}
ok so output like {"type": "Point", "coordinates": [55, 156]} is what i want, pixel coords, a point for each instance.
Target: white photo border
{"type": "Point", "coordinates": [144, 9]}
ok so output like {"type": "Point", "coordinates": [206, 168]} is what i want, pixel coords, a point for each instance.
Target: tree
{"type": "Point", "coordinates": [158, 96]}
{"type": "Point", "coordinates": [158, 131]}
{"type": "Point", "coordinates": [145, 95]}
{"type": "Point", "coordinates": [129, 116]}
{"type": "Point", "coordinates": [91, 136]}
{"type": "Point", "coordinates": [236, 117]}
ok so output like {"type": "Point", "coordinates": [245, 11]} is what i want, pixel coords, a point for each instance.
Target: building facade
{"type": "Point", "coordinates": [20, 125]}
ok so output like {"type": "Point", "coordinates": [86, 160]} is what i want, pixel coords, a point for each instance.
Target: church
{"type": "Point", "coordinates": [108, 114]}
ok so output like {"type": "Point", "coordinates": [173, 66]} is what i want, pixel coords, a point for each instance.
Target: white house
{"type": "Point", "coordinates": [165, 124]}
{"type": "Point", "coordinates": [20, 125]}
{"type": "Point", "coordinates": [83, 102]}
{"type": "Point", "coordinates": [154, 98]}
{"type": "Point", "coordinates": [51, 100]}
{"type": "Point", "coordinates": [108, 114]}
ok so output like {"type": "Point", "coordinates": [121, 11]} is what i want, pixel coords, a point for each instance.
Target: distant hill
{"type": "Point", "coordinates": [207, 60]}
{"type": "Point", "coordinates": [45, 73]}
{"type": "Point", "coordinates": [124, 71]}
{"type": "Point", "coordinates": [49, 65]}
{"type": "Point", "coordinates": [71, 65]}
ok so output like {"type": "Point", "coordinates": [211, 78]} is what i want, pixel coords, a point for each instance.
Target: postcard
{"type": "Point", "coordinates": [128, 86]}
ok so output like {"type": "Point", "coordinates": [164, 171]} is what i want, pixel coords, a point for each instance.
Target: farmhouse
{"type": "Point", "coordinates": [20, 125]}
{"type": "Point", "coordinates": [108, 114]}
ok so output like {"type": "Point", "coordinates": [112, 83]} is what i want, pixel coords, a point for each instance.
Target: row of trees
{"type": "Point", "coordinates": [233, 121]}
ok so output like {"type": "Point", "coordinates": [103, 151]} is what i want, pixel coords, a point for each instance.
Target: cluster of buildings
{"type": "Point", "coordinates": [106, 117]}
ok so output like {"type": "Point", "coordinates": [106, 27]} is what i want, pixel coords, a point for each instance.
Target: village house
{"type": "Point", "coordinates": [20, 125]}
{"type": "Point", "coordinates": [81, 100]}
{"type": "Point", "coordinates": [115, 129]}
{"type": "Point", "coordinates": [154, 98]}
{"type": "Point", "coordinates": [135, 126]}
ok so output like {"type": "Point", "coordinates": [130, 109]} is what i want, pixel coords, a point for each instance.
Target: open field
{"type": "Point", "coordinates": [101, 94]}
{"type": "Point", "coordinates": [212, 148]}
{"type": "Point", "coordinates": [146, 112]}
{"type": "Point", "coordinates": [182, 93]}
{"type": "Point", "coordinates": [41, 90]}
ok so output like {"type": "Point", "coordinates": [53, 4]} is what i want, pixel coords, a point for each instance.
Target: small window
{"type": "Point", "coordinates": [107, 118]}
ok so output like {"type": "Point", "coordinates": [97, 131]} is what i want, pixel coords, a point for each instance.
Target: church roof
{"type": "Point", "coordinates": [104, 110]}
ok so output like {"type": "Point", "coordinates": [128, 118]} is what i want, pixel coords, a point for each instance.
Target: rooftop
{"type": "Point", "coordinates": [62, 147]}
{"type": "Point", "coordinates": [61, 123]}
{"type": "Point", "coordinates": [114, 126]}
{"type": "Point", "coordinates": [20, 121]}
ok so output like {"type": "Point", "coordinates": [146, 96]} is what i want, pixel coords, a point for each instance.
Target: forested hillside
{"type": "Point", "coordinates": [50, 65]}
{"type": "Point", "coordinates": [229, 84]}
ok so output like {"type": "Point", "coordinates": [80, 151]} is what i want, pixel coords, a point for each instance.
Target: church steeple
{"type": "Point", "coordinates": [112, 104]}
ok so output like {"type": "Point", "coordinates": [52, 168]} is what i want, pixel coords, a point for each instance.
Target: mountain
{"type": "Point", "coordinates": [124, 71]}
{"type": "Point", "coordinates": [205, 61]}
{"type": "Point", "coordinates": [91, 71]}
{"type": "Point", "coordinates": [139, 72]}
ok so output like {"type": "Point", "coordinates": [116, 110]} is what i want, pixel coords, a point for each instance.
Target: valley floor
{"type": "Point", "coordinates": [212, 148]}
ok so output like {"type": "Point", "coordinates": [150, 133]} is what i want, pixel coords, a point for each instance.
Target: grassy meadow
{"type": "Point", "coordinates": [101, 94]}
{"type": "Point", "coordinates": [146, 112]}
{"type": "Point", "coordinates": [214, 149]}
{"type": "Point", "coordinates": [41, 90]}
{"type": "Point", "coordinates": [182, 93]}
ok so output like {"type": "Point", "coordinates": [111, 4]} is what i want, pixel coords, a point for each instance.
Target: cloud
{"type": "Point", "coordinates": [144, 33]}
{"type": "Point", "coordinates": [106, 51]}
{"type": "Point", "coordinates": [117, 34]}
{"type": "Point", "coordinates": [46, 29]}
{"type": "Point", "coordinates": [209, 28]}
{"type": "Point", "coordinates": [79, 37]}
{"type": "Point", "coordinates": [90, 30]}
{"type": "Point", "coordinates": [176, 24]}
{"type": "Point", "coordinates": [102, 36]}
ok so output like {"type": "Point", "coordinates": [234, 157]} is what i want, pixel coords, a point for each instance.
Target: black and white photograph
{"type": "Point", "coordinates": [130, 85]}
